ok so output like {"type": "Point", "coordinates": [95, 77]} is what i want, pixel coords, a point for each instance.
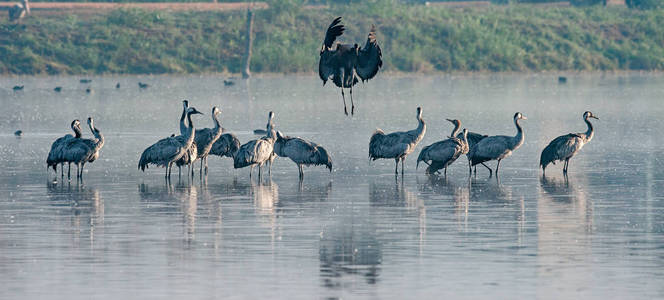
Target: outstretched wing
{"type": "Point", "coordinates": [370, 57]}
{"type": "Point", "coordinates": [325, 69]}
{"type": "Point", "coordinates": [333, 31]}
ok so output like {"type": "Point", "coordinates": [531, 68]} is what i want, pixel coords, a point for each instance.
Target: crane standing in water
{"type": "Point", "coordinates": [168, 150]}
{"type": "Point", "coordinates": [256, 152]}
{"type": "Point", "coordinates": [496, 147]}
{"type": "Point", "coordinates": [82, 151]}
{"type": "Point", "coordinates": [397, 145]}
{"type": "Point", "coordinates": [301, 152]}
{"type": "Point", "coordinates": [345, 60]}
{"type": "Point", "coordinates": [443, 153]}
{"type": "Point", "coordinates": [56, 156]}
{"type": "Point", "coordinates": [566, 146]}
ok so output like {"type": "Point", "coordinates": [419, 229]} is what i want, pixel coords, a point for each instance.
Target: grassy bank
{"type": "Point", "coordinates": [413, 38]}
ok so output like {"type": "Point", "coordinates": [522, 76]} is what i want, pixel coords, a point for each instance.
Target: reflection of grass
{"type": "Point", "coordinates": [414, 38]}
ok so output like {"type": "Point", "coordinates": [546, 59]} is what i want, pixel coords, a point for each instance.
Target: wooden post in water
{"type": "Point", "coordinates": [246, 73]}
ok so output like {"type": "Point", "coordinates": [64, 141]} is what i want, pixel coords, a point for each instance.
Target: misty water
{"type": "Point", "coordinates": [357, 232]}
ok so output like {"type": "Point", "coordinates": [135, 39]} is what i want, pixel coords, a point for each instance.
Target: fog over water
{"type": "Point", "coordinates": [357, 232]}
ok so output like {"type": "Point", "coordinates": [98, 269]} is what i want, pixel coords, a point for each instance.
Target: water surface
{"type": "Point", "coordinates": [357, 232]}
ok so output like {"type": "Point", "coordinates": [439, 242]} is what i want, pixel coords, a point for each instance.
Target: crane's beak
{"type": "Point", "coordinates": [594, 117]}
{"type": "Point", "coordinates": [523, 117]}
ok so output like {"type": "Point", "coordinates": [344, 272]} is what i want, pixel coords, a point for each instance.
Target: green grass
{"type": "Point", "coordinates": [414, 39]}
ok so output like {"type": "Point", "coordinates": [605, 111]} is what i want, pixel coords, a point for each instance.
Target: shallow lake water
{"type": "Point", "coordinates": [357, 232]}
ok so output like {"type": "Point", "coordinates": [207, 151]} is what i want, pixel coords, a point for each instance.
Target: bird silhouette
{"type": "Point", "coordinates": [343, 61]}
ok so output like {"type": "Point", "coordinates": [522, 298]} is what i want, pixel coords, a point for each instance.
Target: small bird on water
{"type": "Point", "coordinates": [58, 89]}
{"type": "Point", "coordinates": [18, 133]}
{"type": "Point", "coordinates": [85, 80]}
{"type": "Point", "coordinates": [117, 86]}
{"type": "Point", "coordinates": [18, 87]}
{"type": "Point", "coordinates": [143, 85]}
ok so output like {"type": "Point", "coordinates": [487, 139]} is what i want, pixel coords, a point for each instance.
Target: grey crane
{"type": "Point", "coordinates": [206, 137]}
{"type": "Point", "coordinates": [343, 61]}
{"type": "Point", "coordinates": [227, 145]}
{"type": "Point", "coordinates": [168, 150]}
{"type": "Point", "coordinates": [192, 152]}
{"type": "Point", "coordinates": [55, 155]}
{"type": "Point", "coordinates": [443, 153]}
{"type": "Point", "coordinates": [301, 152]}
{"type": "Point", "coordinates": [497, 147]}
{"type": "Point", "coordinates": [18, 87]}
{"type": "Point", "coordinates": [19, 10]}
{"type": "Point", "coordinates": [81, 151]}
{"type": "Point", "coordinates": [256, 152]}
{"type": "Point", "coordinates": [397, 145]}
{"type": "Point", "coordinates": [564, 147]}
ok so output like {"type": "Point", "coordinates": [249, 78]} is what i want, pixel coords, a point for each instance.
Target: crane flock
{"type": "Point", "coordinates": [343, 63]}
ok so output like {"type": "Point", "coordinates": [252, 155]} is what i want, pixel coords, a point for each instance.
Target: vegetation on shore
{"type": "Point", "coordinates": [288, 38]}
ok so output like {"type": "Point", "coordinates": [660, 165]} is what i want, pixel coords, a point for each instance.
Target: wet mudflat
{"type": "Point", "coordinates": [357, 232]}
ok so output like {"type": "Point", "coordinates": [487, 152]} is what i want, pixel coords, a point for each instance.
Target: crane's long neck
{"type": "Point", "coordinates": [217, 125]}
{"type": "Point", "coordinates": [100, 137]}
{"type": "Point", "coordinates": [421, 129]}
{"type": "Point", "coordinates": [590, 132]}
{"type": "Point", "coordinates": [189, 133]}
{"type": "Point", "coordinates": [456, 130]}
{"type": "Point", "coordinates": [183, 126]}
{"type": "Point", "coordinates": [77, 132]}
{"type": "Point", "coordinates": [465, 138]}
{"type": "Point", "coordinates": [518, 139]}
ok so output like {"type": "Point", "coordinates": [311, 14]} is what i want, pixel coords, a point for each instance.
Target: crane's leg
{"type": "Point", "coordinates": [445, 172]}
{"type": "Point", "coordinates": [396, 166]}
{"type": "Point", "coordinates": [201, 170]}
{"type": "Point", "coordinates": [206, 167]}
{"type": "Point", "coordinates": [251, 170]}
{"type": "Point", "coordinates": [352, 105]}
{"type": "Point", "coordinates": [68, 170]}
{"type": "Point", "coordinates": [179, 172]}
{"type": "Point", "coordinates": [497, 167]}
{"type": "Point", "coordinates": [260, 174]}
{"type": "Point", "coordinates": [470, 169]}
{"type": "Point", "coordinates": [566, 166]}
{"type": "Point", "coordinates": [403, 159]}
{"type": "Point", "coordinates": [299, 168]}
{"type": "Point", "coordinates": [490, 171]}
